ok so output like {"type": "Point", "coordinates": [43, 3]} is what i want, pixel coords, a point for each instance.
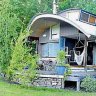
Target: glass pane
{"type": "Point", "coordinates": [53, 49]}
{"type": "Point", "coordinates": [84, 16]}
{"type": "Point", "coordinates": [44, 50]}
{"type": "Point", "coordinates": [92, 19]}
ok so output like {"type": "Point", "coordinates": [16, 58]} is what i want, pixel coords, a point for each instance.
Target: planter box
{"type": "Point", "coordinates": [60, 70]}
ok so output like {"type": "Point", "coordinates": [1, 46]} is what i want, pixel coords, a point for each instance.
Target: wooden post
{"type": "Point", "coordinates": [85, 57]}
{"type": "Point", "coordinates": [78, 86]}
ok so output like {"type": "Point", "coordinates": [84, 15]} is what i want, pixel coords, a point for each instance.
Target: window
{"type": "Point", "coordinates": [53, 49]}
{"type": "Point", "coordinates": [45, 50]}
{"type": "Point", "coordinates": [84, 16]}
{"type": "Point", "coordinates": [88, 18]}
{"type": "Point", "coordinates": [54, 32]}
{"type": "Point", "coordinates": [50, 49]}
{"type": "Point", "coordinates": [92, 19]}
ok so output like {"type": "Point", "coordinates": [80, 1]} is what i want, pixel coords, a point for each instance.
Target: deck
{"type": "Point", "coordinates": [77, 75]}
{"type": "Point", "coordinates": [77, 72]}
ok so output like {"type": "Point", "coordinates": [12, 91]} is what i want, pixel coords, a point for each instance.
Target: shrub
{"type": "Point", "coordinates": [89, 84]}
{"type": "Point", "coordinates": [61, 61]}
{"type": "Point", "coordinates": [23, 65]}
{"type": "Point", "coordinates": [61, 58]}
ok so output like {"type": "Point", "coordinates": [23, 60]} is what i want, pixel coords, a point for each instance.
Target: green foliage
{"type": "Point", "coordinates": [88, 5]}
{"type": "Point", "coordinates": [65, 4]}
{"type": "Point", "coordinates": [7, 89]}
{"type": "Point", "coordinates": [23, 65]}
{"type": "Point", "coordinates": [14, 16]}
{"type": "Point", "coordinates": [89, 84]}
{"type": "Point", "coordinates": [68, 71]}
{"type": "Point", "coordinates": [26, 9]}
{"type": "Point", "coordinates": [61, 58]}
{"type": "Point", "coordinates": [32, 45]}
{"type": "Point", "coordinates": [9, 30]}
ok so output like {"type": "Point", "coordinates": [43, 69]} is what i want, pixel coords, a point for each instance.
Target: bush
{"type": "Point", "coordinates": [61, 61]}
{"type": "Point", "coordinates": [61, 58]}
{"type": "Point", "coordinates": [89, 84]}
{"type": "Point", "coordinates": [23, 65]}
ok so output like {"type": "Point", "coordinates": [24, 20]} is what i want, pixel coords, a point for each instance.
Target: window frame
{"type": "Point", "coordinates": [54, 34]}
{"type": "Point", "coordinates": [94, 17]}
{"type": "Point", "coordinates": [94, 24]}
{"type": "Point", "coordinates": [43, 45]}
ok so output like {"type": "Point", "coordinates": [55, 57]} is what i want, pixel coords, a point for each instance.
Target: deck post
{"type": "Point", "coordinates": [62, 83]}
{"type": "Point", "coordinates": [78, 85]}
{"type": "Point", "coordinates": [85, 57]}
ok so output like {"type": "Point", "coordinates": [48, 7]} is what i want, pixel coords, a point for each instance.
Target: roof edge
{"type": "Point", "coordinates": [79, 9]}
{"type": "Point", "coordinates": [68, 10]}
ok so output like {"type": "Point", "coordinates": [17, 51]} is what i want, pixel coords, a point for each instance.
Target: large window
{"type": "Point", "coordinates": [88, 18]}
{"type": "Point", "coordinates": [50, 49]}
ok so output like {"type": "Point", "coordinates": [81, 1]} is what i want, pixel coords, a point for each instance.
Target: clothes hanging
{"type": "Point", "coordinates": [79, 58]}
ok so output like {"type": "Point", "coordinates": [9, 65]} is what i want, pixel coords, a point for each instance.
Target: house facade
{"type": "Point", "coordinates": [70, 30]}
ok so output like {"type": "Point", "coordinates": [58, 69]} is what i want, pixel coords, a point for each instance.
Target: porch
{"type": "Point", "coordinates": [48, 68]}
{"type": "Point", "coordinates": [48, 77]}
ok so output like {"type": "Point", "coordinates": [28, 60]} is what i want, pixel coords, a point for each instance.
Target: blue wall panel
{"type": "Point", "coordinates": [53, 49]}
{"type": "Point", "coordinates": [62, 43]}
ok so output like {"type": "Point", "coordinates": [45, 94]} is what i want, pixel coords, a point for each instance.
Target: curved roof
{"type": "Point", "coordinates": [38, 24]}
{"type": "Point", "coordinates": [71, 9]}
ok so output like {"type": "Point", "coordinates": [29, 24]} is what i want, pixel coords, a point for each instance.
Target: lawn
{"type": "Point", "coordinates": [7, 89]}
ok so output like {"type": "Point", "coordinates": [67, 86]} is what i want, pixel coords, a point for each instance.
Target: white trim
{"type": "Point", "coordinates": [51, 76]}
{"type": "Point", "coordinates": [57, 28]}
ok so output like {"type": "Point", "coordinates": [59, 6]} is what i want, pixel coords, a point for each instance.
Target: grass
{"type": "Point", "coordinates": [7, 89]}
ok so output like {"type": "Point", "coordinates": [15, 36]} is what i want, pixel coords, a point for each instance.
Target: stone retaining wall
{"type": "Point", "coordinates": [50, 82]}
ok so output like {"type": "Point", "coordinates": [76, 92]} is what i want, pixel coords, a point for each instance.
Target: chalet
{"type": "Point", "coordinates": [70, 30]}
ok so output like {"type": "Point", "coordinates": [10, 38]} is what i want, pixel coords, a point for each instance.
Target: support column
{"type": "Point", "coordinates": [78, 85]}
{"type": "Point", "coordinates": [85, 57]}
{"type": "Point", "coordinates": [62, 83]}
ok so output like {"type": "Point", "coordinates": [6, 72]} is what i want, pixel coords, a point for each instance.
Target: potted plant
{"type": "Point", "coordinates": [62, 68]}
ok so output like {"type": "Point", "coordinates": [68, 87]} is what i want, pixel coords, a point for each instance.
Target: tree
{"type": "Point", "coordinates": [88, 5]}
{"type": "Point", "coordinates": [9, 30]}
{"type": "Point", "coordinates": [22, 68]}
{"type": "Point", "coordinates": [14, 16]}
{"type": "Point", "coordinates": [64, 4]}
{"type": "Point", "coordinates": [26, 9]}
